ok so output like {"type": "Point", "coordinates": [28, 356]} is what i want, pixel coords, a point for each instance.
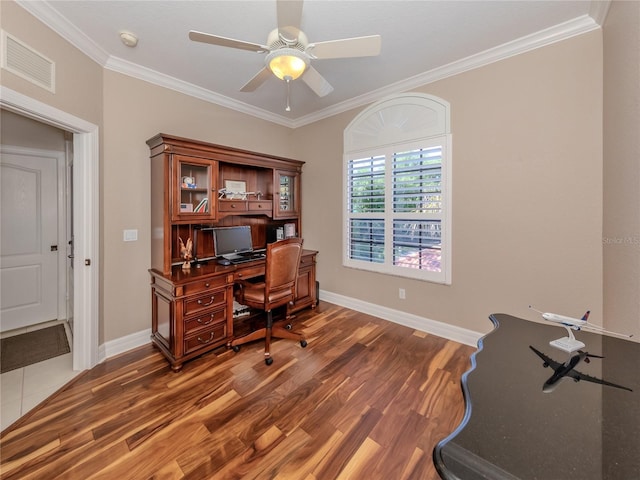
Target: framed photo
{"type": "Point", "coordinates": [236, 189]}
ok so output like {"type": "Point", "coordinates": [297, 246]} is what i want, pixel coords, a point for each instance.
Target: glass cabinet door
{"type": "Point", "coordinates": [287, 201]}
{"type": "Point", "coordinates": [194, 193]}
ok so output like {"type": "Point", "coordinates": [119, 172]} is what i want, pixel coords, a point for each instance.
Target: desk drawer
{"type": "Point", "coordinates": [206, 301]}
{"type": "Point", "coordinates": [204, 320]}
{"type": "Point", "coordinates": [249, 272]}
{"type": "Point", "coordinates": [204, 285]}
{"type": "Point", "coordinates": [307, 260]}
{"type": "Point", "coordinates": [206, 338]}
{"type": "Point", "coordinates": [260, 205]}
{"type": "Point", "coordinates": [232, 205]}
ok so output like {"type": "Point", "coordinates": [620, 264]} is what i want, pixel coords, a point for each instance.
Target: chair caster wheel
{"type": "Point", "coordinates": [236, 348]}
{"type": "Point", "coordinates": [268, 360]}
{"type": "Point", "coordinates": [303, 343]}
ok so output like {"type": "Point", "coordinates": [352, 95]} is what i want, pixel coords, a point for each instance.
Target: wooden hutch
{"type": "Point", "coordinates": [196, 185]}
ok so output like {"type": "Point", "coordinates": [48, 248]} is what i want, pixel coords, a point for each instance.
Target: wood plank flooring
{"type": "Point", "coordinates": [367, 399]}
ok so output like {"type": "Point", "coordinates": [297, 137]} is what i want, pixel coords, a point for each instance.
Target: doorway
{"type": "Point", "coordinates": [85, 215]}
{"type": "Point", "coordinates": [35, 229]}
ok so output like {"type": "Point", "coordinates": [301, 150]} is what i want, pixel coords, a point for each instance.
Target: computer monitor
{"type": "Point", "coordinates": [228, 242]}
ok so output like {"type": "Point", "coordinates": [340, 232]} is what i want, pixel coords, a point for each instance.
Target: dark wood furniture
{"type": "Point", "coordinates": [195, 186]}
{"type": "Point", "coordinates": [278, 289]}
{"type": "Point", "coordinates": [513, 430]}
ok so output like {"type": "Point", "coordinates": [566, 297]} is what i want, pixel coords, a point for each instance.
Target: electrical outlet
{"type": "Point", "coordinates": [402, 294]}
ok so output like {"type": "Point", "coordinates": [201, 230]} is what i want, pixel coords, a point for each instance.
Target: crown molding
{"type": "Point", "coordinates": [551, 35]}
{"type": "Point", "coordinates": [59, 24]}
{"type": "Point", "coordinates": [578, 26]}
{"type": "Point", "coordinates": [151, 76]}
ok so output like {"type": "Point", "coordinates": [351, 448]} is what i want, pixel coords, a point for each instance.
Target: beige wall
{"type": "Point", "coordinates": [527, 192]}
{"type": "Point", "coordinates": [24, 132]}
{"type": "Point", "coordinates": [78, 79]}
{"type": "Point", "coordinates": [527, 179]}
{"type": "Point", "coordinates": [135, 111]}
{"type": "Point", "coordinates": [621, 235]}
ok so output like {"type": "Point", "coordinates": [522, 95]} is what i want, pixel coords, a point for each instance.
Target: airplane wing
{"type": "Point", "coordinates": [598, 329]}
{"type": "Point", "coordinates": [548, 361]}
{"type": "Point", "coordinates": [588, 378]}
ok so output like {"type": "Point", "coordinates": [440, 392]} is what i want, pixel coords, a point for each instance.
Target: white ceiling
{"type": "Point", "coordinates": [421, 41]}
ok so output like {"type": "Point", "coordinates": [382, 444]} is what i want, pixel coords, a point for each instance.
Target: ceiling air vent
{"type": "Point", "coordinates": [20, 59]}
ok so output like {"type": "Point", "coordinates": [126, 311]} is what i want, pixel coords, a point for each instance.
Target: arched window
{"type": "Point", "coordinates": [397, 204]}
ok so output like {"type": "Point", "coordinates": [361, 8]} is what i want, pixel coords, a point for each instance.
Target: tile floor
{"type": "Point", "coordinates": [24, 388]}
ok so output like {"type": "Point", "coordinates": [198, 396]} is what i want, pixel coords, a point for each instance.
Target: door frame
{"type": "Point", "coordinates": [86, 216]}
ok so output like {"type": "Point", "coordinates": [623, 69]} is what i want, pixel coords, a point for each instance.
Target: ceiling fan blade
{"type": "Point", "coordinates": [369, 46]}
{"type": "Point", "coordinates": [226, 42]}
{"type": "Point", "coordinates": [317, 82]}
{"type": "Point", "coordinates": [289, 16]}
{"type": "Point", "coordinates": [257, 80]}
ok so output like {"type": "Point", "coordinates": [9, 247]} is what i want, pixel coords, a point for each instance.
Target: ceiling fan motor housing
{"type": "Point", "coordinates": [277, 40]}
{"type": "Point", "coordinates": [287, 58]}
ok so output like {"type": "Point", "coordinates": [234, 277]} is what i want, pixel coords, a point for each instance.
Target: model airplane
{"type": "Point", "coordinates": [566, 369]}
{"type": "Point", "coordinates": [569, 343]}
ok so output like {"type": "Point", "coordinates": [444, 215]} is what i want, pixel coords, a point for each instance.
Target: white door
{"type": "Point", "coordinates": [29, 236]}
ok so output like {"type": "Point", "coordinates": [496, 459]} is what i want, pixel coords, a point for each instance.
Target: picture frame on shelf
{"type": "Point", "coordinates": [235, 189]}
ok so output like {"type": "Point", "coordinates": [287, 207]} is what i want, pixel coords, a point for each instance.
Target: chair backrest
{"type": "Point", "coordinates": [281, 269]}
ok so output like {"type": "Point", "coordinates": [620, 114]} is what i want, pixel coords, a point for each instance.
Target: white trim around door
{"type": "Point", "coordinates": [85, 215]}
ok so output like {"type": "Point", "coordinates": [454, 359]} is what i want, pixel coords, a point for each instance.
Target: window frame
{"type": "Point", "coordinates": [392, 141]}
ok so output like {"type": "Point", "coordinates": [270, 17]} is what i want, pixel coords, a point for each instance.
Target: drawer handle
{"type": "Point", "coordinates": [211, 336]}
{"type": "Point", "coordinates": [233, 205]}
{"type": "Point", "coordinates": [206, 304]}
{"type": "Point", "coordinates": [207, 285]}
{"type": "Point", "coordinates": [207, 322]}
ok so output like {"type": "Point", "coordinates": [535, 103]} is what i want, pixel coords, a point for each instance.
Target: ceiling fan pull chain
{"type": "Point", "coordinates": [288, 80]}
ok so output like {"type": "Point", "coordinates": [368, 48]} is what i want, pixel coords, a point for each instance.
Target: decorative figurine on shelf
{"type": "Point", "coordinates": [186, 252]}
{"type": "Point", "coordinates": [225, 193]}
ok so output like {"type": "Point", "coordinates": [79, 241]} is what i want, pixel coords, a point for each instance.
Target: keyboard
{"type": "Point", "coordinates": [249, 257]}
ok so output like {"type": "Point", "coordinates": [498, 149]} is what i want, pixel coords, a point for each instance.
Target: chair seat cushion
{"type": "Point", "coordinates": [254, 296]}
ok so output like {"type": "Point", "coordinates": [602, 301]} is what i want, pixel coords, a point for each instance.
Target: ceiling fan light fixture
{"type": "Point", "coordinates": [287, 62]}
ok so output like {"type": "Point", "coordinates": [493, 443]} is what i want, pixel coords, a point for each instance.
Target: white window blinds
{"type": "Point", "coordinates": [395, 205]}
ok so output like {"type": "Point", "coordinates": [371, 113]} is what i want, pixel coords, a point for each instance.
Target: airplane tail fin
{"type": "Point", "coordinates": [585, 317]}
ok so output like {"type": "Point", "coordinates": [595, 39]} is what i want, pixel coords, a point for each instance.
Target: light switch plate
{"type": "Point", "coordinates": [130, 235]}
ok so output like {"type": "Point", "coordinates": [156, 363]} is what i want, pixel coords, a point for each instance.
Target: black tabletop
{"type": "Point", "coordinates": [512, 429]}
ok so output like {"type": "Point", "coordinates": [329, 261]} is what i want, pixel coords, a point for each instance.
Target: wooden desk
{"type": "Point", "coordinates": [513, 430]}
{"type": "Point", "coordinates": [192, 310]}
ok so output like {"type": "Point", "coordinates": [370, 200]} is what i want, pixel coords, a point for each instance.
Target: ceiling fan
{"type": "Point", "coordinates": [289, 52]}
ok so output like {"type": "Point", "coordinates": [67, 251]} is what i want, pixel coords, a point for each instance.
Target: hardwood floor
{"type": "Point", "coordinates": [367, 399]}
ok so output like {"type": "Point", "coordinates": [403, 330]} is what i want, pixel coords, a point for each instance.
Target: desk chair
{"type": "Point", "coordinates": [278, 289]}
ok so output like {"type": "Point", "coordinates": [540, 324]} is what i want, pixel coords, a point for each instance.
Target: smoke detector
{"type": "Point", "coordinates": [129, 39]}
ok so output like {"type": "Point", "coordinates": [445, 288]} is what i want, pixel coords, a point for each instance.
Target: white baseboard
{"type": "Point", "coordinates": [123, 344]}
{"type": "Point", "coordinates": [450, 332]}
